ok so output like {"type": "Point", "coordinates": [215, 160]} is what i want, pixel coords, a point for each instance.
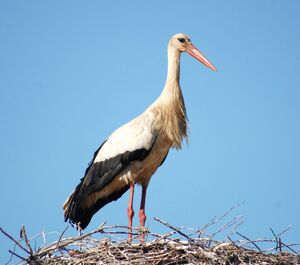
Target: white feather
{"type": "Point", "coordinates": [136, 134]}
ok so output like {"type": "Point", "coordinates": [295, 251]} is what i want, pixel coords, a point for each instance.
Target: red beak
{"type": "Point", "coordinates": [193, 51]}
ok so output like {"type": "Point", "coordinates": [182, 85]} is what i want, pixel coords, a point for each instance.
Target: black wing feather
{"type": "Point", "coordinates": [97, 176]}
{"type": "Point", "coordinates": [94, 157]}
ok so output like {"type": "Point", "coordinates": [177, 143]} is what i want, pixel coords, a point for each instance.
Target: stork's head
{"type": "Point", "coordinates": [182, 43]}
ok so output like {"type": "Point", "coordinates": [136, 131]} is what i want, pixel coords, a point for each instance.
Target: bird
{"type": "Point", "coordinates": [133, 152]}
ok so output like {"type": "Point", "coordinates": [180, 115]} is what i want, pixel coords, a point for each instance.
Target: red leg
{"type": "Point", "coordinates": [130, 212]}
{"type": "Point", "coordinates": [142, 215]}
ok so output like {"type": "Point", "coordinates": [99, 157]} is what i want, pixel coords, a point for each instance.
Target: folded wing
{"type": "Point", "coordinates": [131, 142]}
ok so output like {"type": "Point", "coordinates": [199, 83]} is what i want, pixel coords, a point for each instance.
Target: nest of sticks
{"type": "Point", "coordinates": [109, 245]}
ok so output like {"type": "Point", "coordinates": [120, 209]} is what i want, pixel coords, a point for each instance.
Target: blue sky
{"type": "Point", "coordinates": [71, 72]}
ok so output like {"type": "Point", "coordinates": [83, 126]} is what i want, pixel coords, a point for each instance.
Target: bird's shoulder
{"type": "Point", "coordinates": [139, 133]}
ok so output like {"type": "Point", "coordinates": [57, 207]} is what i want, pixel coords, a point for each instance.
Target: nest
{"type": "Point", "coordinates": [108, 245]}
{"type": "Point", "coordinates": [165, 252]}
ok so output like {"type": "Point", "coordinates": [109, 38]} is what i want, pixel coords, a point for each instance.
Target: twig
{"type": "Point", "coordinates": [44, 237]}
{"type": "Point", "coordinates": [215, 220]}
{"type": "Point", "coordinates": [287, 246]}
{"type": "Point", "coordinates": [175, 229]}
{"type": "Point", "coordinates": [16, 242]}
{"type": "Point", "coordinates": [284, 230]}
{"type": "Point", "coordinates": [234, 228]}
{"type": "Point", "coordinates": [23, 235]}
{"type": "Point", "coordinates": [250, 241]}
{"type": "Point", "coordinates": [68, 241]}
{"type": "Point", "coordinates": [276, 239]}
{"type": "Point", "coordinates": [57, 246]}
{"type": "Point", "coordinates": [228, 224]}
{"type": "Point", "coordinates": [15, 254]}
{"type": "Point", "coordinates": [279, 242]}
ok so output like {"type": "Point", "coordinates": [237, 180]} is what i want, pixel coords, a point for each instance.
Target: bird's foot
{"type": "Point", "coordinates": [129, 239]}
{"type": "Point", "coordinates": [143, 230]}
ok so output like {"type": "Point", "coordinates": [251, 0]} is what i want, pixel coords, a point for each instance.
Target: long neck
{"type": "Point", "coordinates": [172, 87]}
{"type": "Point", "coordinates": [173, 68]}
{"type": "Point", "coordinates": [171, 102]}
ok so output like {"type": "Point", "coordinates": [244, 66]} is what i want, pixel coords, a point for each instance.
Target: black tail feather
{"type": "Point", "coordinates": [81, 216]}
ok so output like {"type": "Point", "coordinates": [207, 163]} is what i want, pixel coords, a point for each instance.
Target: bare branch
{"type": "Point", "coordinates": [16, 242]}
{"type": "Point", "coordinates": [24, 236]}
{"type": "Point", "coordinates": [216, 220]}
{"type": "Point", "coordinates": [175, 229]}
{"type": "Point", "coordinates": [60, 237]}
{"type": "Point", "coordinates": [250, 241]}
{"type": "Point", "coordinates": [15, 254]}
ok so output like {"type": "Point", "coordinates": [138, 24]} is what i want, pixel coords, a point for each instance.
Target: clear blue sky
{"type": "Point", "coordinates": [71, 72]}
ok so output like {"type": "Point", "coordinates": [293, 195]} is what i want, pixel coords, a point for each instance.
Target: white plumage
{"type": "Point", "coordinates": [136, 134]}
{"type": "Point", "coordinates": [134, 152]}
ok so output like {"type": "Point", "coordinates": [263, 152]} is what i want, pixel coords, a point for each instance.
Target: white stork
{"type": "Point", "coordinates": [133, 153]}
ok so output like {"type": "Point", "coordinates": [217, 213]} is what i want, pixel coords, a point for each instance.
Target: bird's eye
{"type": "Point", "coordinates": [182, 40]}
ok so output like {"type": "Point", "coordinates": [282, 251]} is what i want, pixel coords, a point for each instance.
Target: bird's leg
{"type": "Point", "coordinates": [142, 215]}
{"type": "Point", "coordinates": [130, 212]}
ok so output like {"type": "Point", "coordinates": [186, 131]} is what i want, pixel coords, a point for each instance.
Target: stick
{"type": "Point", "coordinates": [175, 229]}
{"type": "Point", "coordinates": [216, 220]}
{"type": "Point", "coordinates": [250, 241]}
{"type": "Point", "coordinates": [67, 241]}
{"type": "Point", "coordinates": [23, 235]}
{"type": "Point", "coordinates": [288, 228]}
{"type": "Point", "coordinates": [16, 242]}
{"type": "Point", "coordinates": [57, 245]}
{"type": "Point", "coordinates": [15, 254]}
